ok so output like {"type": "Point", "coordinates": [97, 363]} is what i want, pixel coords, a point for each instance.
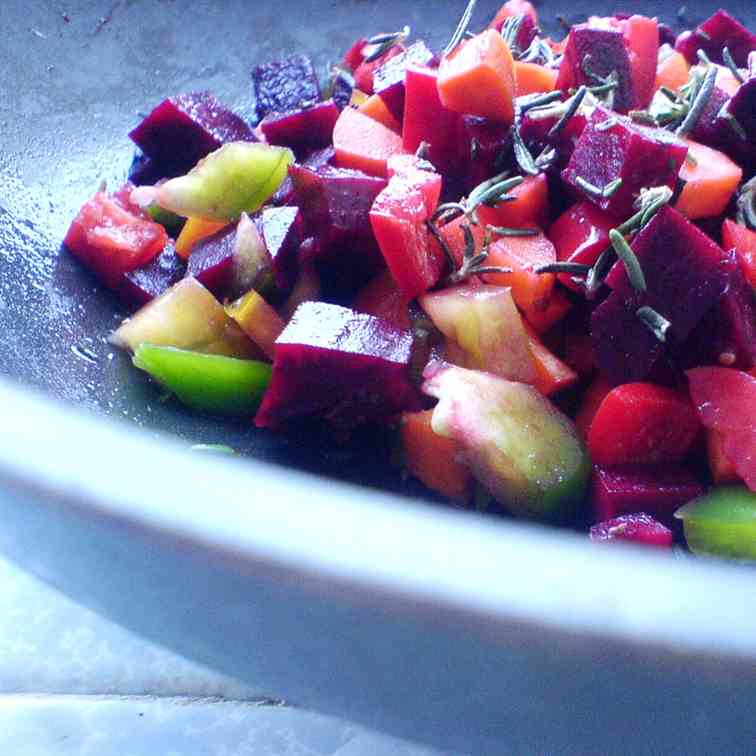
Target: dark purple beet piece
{"type": "Point", "coordinates": [144, 170]}
{"type": "Point", "coordinates": [630, 490]}
{"type": "Point", "coordinates": [636, 528]}
{"type": "Point", "coordinates": [302, 130]}
{"type": "Point", "coordinates": [713, 35]}
{"type": "Point", "coordinates": [686, 273]}
{"type": "Point", "coordinates": [483, 144]}
{"type": "Point", "coordinates": [600, 51]}
{"type": "Point", "coordinates": [342, 92]}
{"type": "Point", "coordinates": [388, 80]}
{"type": "Point", "coordinates": [346, 367]}
{"type": "Point", "coordinates": [535, 133]}
{"type": "Point", "coordinates": [183, 129]}
{"type": "Point", "coordinates": [282, 230]}
{"type": "Point", "coordinates": [284, 85]}
{"type": "Point", "coordinates": [742, 107]}
{"type": "Point", "coordinates": [667, 35]}
{"type": "Point", "coordinates": [336, 204]}
{"type": "Point", "coordinates": [211, 261]}
{"type": "Point", "coordinates": [142, 285]}
{"type": "Point", "coordinates": [727, 334]}
{"type": "Point", "coordinates": [640, 156]}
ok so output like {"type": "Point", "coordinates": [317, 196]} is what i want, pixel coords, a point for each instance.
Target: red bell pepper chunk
{"type": "Point", "coordinates": [353, 57]}
{"type": "Point", "coordinates": [743, 241]}
{"type": "Point", "coordinates": [364, 144]}
{"type": "Point", "coordinates": [112, 240]}
{"type": "Point", "coordinates": [398, 219]}
{"type": "Point", "coordinates": [636, 528]}
{"type": "Point", "coordinates": [726, 402]}
{"type": "Point", "coordinates": [642, 424]}
{"type": "Point", "coordinates": [579, 235]}
{"type": "Point", "coordinates": [513, 8]}
{"type": "Point", "coordinates": [381, 297]}
{"type": "Point", "coordinates": [427, 120]}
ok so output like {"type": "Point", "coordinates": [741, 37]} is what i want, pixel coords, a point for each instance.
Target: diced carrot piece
{"type": "Point", "coordinates": [722, 469]}
{"type": "Point", "coordinates": [477, 78]}
{"type": "Point", "coordinates": [552, 375]}
{"type": "Point", "coordinates": [375, 107]}
{"type": "Point", "coordinates": [673, 71]}
{"type": "Point", "coordinates": [433, 459]}
{"type": "Point", "coordinates": [258, 320]}
{"type": "Point", "coordinates": [523, 254]}
{"type": "Point", "coordinates": [594, 395]}
{"type": "Point", "coordinates": [545, 318]}
{"type": "Point", "coordinates": [711, 180]}
{"type": "Point", "coordinates": [364, 144]}
{"type": "Point", "coordinates": [743, 241]}
{"type": "Point", "coordinates": [513, 8]}
{"type": "Point", "coordinates": [531, 207]}
{"type": "Point", "coordinates": [531, 78]}
{"type": "Point", "coordinates": [193, 232]}
{"type": "Point", "coordinates": [641, 35]}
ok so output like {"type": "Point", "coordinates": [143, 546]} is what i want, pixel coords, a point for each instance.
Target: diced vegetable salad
{"type": "Point", "coordinates": [534, 259]}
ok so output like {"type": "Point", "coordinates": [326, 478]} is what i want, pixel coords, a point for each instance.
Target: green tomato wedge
{"type": "Point", "coordinates": [237, 178]}
{"type": "Point", "coordinates": [721, 523]}
{"type": "Point", "coordinates": [519, 446]}
{"type": "Point", "coordinates": [171, 222]}
{"type": "Point", "coordinates": [206, 382]}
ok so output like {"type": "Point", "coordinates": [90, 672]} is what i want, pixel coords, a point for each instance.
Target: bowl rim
{"type": "Point", "coordinates": [63, 457]}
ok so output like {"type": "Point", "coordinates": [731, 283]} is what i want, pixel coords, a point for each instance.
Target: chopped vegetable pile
{"type": "Point", "coordinates": [534, 259]}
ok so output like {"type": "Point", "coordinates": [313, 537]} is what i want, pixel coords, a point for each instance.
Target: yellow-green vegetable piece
{"type": "Point", "coordinates": [721, 523]}
{"type": "Point", "coordinates": [237, 178]}
{"type": "Point", "coordinates": [206, 382]}
{"type": "Point", "coordinates": [519, 446]}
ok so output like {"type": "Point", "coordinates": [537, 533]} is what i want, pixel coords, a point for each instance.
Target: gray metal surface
{"type": "Point", "coordinates": [487, 637]}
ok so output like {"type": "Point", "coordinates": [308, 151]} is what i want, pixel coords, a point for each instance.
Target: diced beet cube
{"type": "Point", "coordinates": [667, 35]}
{"type": "Point", "coordinates": [363, 74]}
{"type": "Point", "coordinates": [727, 334]}
{"type": "Point", "coordinates": [302, 130]}
{"type": "Point", "coordinates": [535, 133]}
{"type": "Point", "coordinates": [388, 80]}
{"type": "Point", "coordinates": [742, 107]}
{"type": "Point", "coordinates": [427, 120]}
{"type": "Point", "coordinates": [142, 285]}
{"type": "Point", "coordinates": [284, 85]}
{"type": "Point", "coordinates": [144, 170]}
{"type": "Point", "coordinates": [286, 195]}
{"type": "Point", "coordinates": [485, 143]}
{"type": "Point", "coordinates": [282, 229]}
{"type": "Point", "coordinates": [601, 52]}
{"type": "Point", "coordinates": [183, 129]}
{"type": "Point", "coordinates": [718, 31]}
{"type": "Point", "coordinates": [640, 156]}
{"type": "Point", "coordinates": [211, 261]}
{"type": "Point", "coordinates": [636, 528]}
{"type": "Point", "coordinates": [686, 273]}
{"type": "Point", "coordinates": [631, 490]}
{"type": "Point", "coordinates": [335, 203]}
{"type": "Point", "coordinates": [346, 367]}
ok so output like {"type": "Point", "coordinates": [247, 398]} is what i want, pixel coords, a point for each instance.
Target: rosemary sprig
{"type": "Point", "coordinates": [539, 52]}
{"type": "Point", "coordinates": [643, 117]}
{"type": "Point", "coordinates": [570, 268]}
{"type": "Point", "coordinates": [573, 105]}
{"type": "Point", "coordinates": [629, 260]}
{"type": "Point", "coordinates": [698, 102]}
{"type": "Point", "coordinates": [598, 272]}
{"type": "Point", "coordinates": [472, 263]}
{"type": "Point", "coordinates": [525, 103]}
{"type": "Point", "coordinates": [522, 154]}
{"type": "Point", "coordinates": [459, 32]}
{"type": "Point", "coordinates": [488, 192]}
{"type": "Point", "coordinates": [730, 63]}
{"type": "Point", "coordinates": [602, 84]}
{"type": "Point", "coordinates": [450, 261]}
{"type": "Point", "coordinates": [508, 231]}
{"type": "Point", "coordinates": [599, 192]}
{"type": "Point", "coordinates": [382, 43]}
{"type": "Point", "coordinates": [608, 124]}
{"type": "Point", "coordinates": [746, 204]}
{"type": "Point", "coordinates": [656, 323]}
{"type": "Point", "coordinates": [510, 29]}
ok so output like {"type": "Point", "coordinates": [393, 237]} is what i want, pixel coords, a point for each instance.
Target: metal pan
{"type": "Point", "coordinates": [310, 571]}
